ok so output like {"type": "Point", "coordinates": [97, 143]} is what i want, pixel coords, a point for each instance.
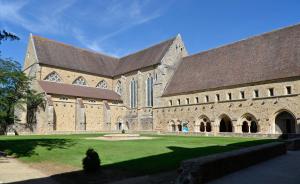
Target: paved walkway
{"type": "Point", "coordinates": [12, 170]}
{"type": "Point", "coordinates": [280, 170]}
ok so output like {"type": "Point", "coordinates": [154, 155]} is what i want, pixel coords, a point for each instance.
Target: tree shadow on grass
{"type": "Point", "coordinates": [144, 166]}
{"type": "Point", "coordinates": [26, 147]}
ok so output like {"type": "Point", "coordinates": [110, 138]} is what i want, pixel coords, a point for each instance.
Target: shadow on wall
{"type": "Point", "coordinates": [148, 165]}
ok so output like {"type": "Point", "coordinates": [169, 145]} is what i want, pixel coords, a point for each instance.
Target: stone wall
{"type": "Point", "coordinates": [262, 109]}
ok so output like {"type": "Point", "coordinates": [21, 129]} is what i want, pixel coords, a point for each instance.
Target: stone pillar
{"type": "Point", "coordinates": [298, 125]}
{"type": "Point", "coordinates": [106, 116]}
{"type": "Point", "coordinates": [80, 124]}
{"type": "Point", "coordinates": [51, 119]}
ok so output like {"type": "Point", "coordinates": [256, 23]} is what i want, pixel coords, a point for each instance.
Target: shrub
{"type": "Point", "coordinates": [123, 131]}
{"type": "Point", "coordinates": [91, 163]}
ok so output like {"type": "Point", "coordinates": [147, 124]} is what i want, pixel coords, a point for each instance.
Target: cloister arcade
{"type": "Point", "coordinates": [282, 122]}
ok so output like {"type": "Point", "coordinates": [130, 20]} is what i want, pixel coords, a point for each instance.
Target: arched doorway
{"type": "Point", "coordinates": [285, 123]}
{"type": "Point", "coordinates": [225, 124]}
{"type": "Point", "coordinates": [245, 127]}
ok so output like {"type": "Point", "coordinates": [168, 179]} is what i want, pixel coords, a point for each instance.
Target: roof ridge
{"type": "Point", "coordinates": [244, 39]}
{"type": "Point", "coordinates": [69, 45]}
{"type": "Point", "coordinates": [153, 45]}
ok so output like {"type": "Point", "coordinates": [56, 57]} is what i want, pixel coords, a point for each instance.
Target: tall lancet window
{"type": "Point", "coordinates": [149, 91]}
{"type": "Point", "coordinates": [53, 77]}
{"type": "Point", "coordinates": [102, 84]}
{"type": "Point", "coordinates": [119, 87]}
{"type": "Point", "coordinates": [133, 93]}
{"type": "Point", "coordinates": [80, 81]}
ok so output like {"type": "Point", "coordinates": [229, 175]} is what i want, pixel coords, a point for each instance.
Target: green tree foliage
{"type": "Point", "coordinates": [15, 91]}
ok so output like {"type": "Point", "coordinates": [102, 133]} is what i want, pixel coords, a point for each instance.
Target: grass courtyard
{"type": "Point", "coordinates": [137, 157]}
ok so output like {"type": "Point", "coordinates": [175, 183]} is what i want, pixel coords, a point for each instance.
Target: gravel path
{"type": "Point", "coordinates": [14, 171]}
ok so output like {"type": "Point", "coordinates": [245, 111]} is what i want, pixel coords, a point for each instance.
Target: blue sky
{"type": "Point", "coordinates": [120, 27]}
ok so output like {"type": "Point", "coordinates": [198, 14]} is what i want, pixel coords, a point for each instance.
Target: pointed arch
{"type": "Point", "coordinates": [119, 87]}
{"type": "Point", "coordinates": [285, 122]}
{"type": "Point", "coordinates": [102, 84]}
{"type": "Point", "coordinates": [149, 91]}
{"type": "Point", "coordinates": [80, 81]}
{"type": "Point", "coordinates": [133, 93]}
{"type": "Point", "coordinates": [248, 123]}
{"type": "Point", "coordinates": [203, 124]}
{"type": "Point", "coordinates": [53, 77]}
{"type": "Point", "coordinates": [225, 123]}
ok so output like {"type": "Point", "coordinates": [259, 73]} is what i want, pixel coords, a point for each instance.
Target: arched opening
{"type": "Point", "coordinates": [185, 127]}
{"type": "Point", "coordinates": [285, 123]}
{"type": "Point", "coordinates": [119, 126]}
{"type": "Point", "coordinates": [225, 124]}
{"type": "Point", "coordinates": [245, 127]}
{"type": "Point", "coordinates": [249, 123]}
{"type": "Point", "coordinates": [208, 127]}
{"type": "Point", "coordinates": [253, 127]}
{"type": "Point", "coordinates": [202, 127]}
{"type": "Point", "coordinates": [179, 127]}
{"type": "Point", "coordinates": [172, 126]}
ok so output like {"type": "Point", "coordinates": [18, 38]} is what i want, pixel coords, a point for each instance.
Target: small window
{"type": "Point", "coordinates": [197, 100]}
{"type": "Point", "coordinates": [170, 103]}
{"type": "Point", "coordinates": [288, 90]}
{"type": "Point", "coordinates": [217, 97]}
{"type": "Point", "coordinates": [178, 101]}
{"type": "Point", "coordinates": [92, 101]}
{"type": "Point", "coordinates": [256, 93]}
{"type": "Point", "coordinates": [229, 97]}
{"type": "Point", "coordinates": [271, 91]}
{"type": "Point", "coordinates": [187, 100]}
{"type": "Point", "coordinates": [63, 98]}
{"type": "Point", "coordinates": [242, 94]}
{"type": "Point", "coordinates": [206, 98]}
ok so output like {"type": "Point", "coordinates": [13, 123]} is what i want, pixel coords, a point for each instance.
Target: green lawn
{"type": "Point", "coordinates": [137, 156]}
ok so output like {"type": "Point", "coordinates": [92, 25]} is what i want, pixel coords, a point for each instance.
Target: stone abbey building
{"type": "Point", "coordinates": [250, 86]}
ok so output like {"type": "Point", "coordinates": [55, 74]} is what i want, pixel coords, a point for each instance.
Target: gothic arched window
{"type": "Point", "coordinates": [119, 87]}
{"type": "Point", "coordinates": [80, 81]}
{"type": "Point", "coordinates": [102, 84]}
{"type": "Point", "coordinates": [149, 91]}
{"type": "Point", "coordinates": [53, 77]}
{"type": "Point", "coordinates": [133, 93]}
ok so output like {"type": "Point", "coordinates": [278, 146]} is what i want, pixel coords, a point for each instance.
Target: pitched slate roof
{"type": "Point", "coordinates": [57, 54]}
{"type": "Point", "coordinates": [144, 58]}
{"type": "Point", "coordinates": [78, 91]}
{"type": "Point", "coordinates": [61, 55]}
{"type": "Point", "coordinates": [270, 56]}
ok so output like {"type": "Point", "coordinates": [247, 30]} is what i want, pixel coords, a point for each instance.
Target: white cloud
{"type": "Point", "coordinates": [14, 12]}
{"type": "Point", "coordinates": [93, 24]}
{"type": "Point", "coordinates": [121, 16]}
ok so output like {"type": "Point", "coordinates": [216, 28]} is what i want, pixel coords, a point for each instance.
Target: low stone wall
{"type": "Point", "coordinates": [232, 134]}
{"type": "Point", "coordinates": [203, 169]}
{"type": "Point", "coordinates": [293, 144]}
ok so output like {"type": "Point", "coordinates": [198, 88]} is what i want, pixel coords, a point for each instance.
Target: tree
{"type": "Point", "coordinates": [15, 90]}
